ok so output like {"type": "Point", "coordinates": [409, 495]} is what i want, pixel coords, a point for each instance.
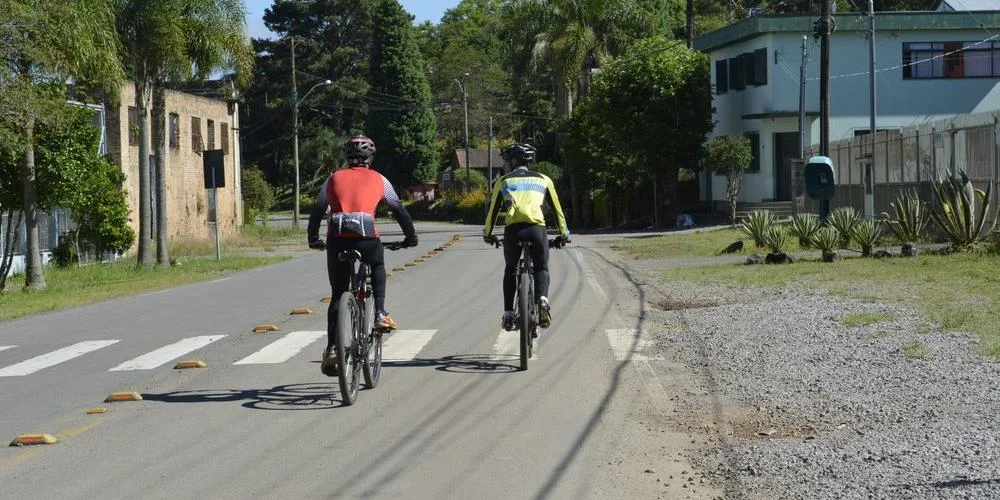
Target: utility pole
{"type": "Point", "coordinates": [465, 107]}
{"type": "Point", "coordinates": [489, 157]}
{"type": "Point", "coordinates": [870, 173]}
{"type": "Point", "coordinates": [295, 135]}
{"type": "Point", "coordinates": [825, 27]}
{"type": "Point", "coordinates": [802, 98]}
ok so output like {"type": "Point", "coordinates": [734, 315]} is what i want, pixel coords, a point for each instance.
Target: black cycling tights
{"type": "Point", "coordinates": [513, 235]}
{"type": "Point", "coordinates": [339, 273]}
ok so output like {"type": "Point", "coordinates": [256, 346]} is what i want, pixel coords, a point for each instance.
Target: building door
{"type": "Point", "coordinates": [786, 148]}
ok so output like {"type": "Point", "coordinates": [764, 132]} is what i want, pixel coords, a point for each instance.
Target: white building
{"type": "Point", "coordinates": [930, 66]}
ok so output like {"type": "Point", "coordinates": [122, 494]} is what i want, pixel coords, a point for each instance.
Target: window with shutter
{"type": "Point", "coordinates": [721, 76]}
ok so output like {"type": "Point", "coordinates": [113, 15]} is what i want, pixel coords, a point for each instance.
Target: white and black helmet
{"type": "Point", "coordinates": [359, 150]}
{"type": "Point", "coordinates": [519, 153]}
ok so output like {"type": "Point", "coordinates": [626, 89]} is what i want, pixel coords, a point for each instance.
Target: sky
{"type": "Point", "coordinates": [422, 10]}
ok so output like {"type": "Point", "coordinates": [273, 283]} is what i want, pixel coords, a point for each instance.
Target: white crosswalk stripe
{"type": "Point", "coordinates": [508, 344]}
{"type": "Point", "coordinates": [166, 353]}
{"type": "Point", "coordinates": [404, 345]}
{"type": "Point", "coordinates": [282, 349]}
{"type": "Point", "coordinates": [629, 344]}
{"type": "Point", "coordinates": [54, 358]}
{"type": "Point", "coordinates": [5, 347]}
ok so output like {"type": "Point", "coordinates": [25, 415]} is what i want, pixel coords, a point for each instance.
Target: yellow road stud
{"type": "Point", "coordinates": [398, 269]}
{"type": "Point", "coordinates": [123, 396]}
{"type": "Point", "coordinates": [91, 411]}
{"type": "Point", "coordinates": [326, 300]}
{"type": "Point", "coordinates": [265, 328]}
{"type": "Point", "coordinates": [302, 310]}
{"type": "Point", "coordinates": [410, 264]}
{"type": "Point", "coordinates": [30, 439]}
{"type": "Point", "coordinates": [190, 364]}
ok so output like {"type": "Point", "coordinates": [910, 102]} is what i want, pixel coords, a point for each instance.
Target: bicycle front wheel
{"type": "Point", "coordinates": [524, 317]}
{"type": "Point", "coordinates": [373, 352]}
{"type": "Point", "coordinates": [348, 364]}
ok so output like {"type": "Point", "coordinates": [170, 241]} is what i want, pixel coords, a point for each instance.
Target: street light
{"type": "Point", "coordinates": [465, 106]}
{"type": "Point", "coordinates": [295, 126]}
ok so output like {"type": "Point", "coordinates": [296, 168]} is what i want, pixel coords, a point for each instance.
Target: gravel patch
{"type": "Point", "coordinates": [812, 396]}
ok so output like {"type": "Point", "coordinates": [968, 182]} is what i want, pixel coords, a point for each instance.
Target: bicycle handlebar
{"type": "Point", "coordinates": [553, 243]}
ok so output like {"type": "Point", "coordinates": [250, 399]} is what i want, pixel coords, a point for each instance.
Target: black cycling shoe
{"type": "Point", "coordinates": [329, 364]}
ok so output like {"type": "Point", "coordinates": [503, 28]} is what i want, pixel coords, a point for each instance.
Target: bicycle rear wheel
{"type": "Point", "coordinates": [524, 317]}
{"type": "Point", "coordinates": [373, 357]}
{"type": "Point", "coordinates": [348, 364]}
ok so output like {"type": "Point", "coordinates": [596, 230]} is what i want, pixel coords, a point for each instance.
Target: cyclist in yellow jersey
{"type": "Point", "coordinates": [519, 196]}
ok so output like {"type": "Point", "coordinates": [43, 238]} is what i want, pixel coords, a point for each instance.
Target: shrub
{"type": "Point", "coordinates": [756, 225]}
{"type": "Point", "coordinates": [867, 233]}
{"type": "Point", "coordinates": [553, 171]}
{"type": "Point", "coordinates": [843, 220]}
{"type": "Point", "coordinates": [826, 240]}
{"type": "Point", "coordinates": [803, 227]}
{"type": "Point", "coordinates": [908, 219]}
{"type": "Point", "coordinates": [470, 206]}
{"type": "Point", "coordinates": [476, 179]}
{"type": "Point", "coordinates": [957, 214]}
{"type": "Point", "coordinates": [776, 238]}
{"type": "Point", "coordinates": [258, 195]}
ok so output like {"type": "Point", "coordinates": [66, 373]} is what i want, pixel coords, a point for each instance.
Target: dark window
{"type": "Point", "coordinates": [133, 126]}
{"type": "Point", "coordinates": [951, 60]}
{"type": "Point", "coordinates": [760, 67]}
{"type": "Point", "coordinates": [211, 134]}
{"type": "Point", "coordinates": [175, 131]}
{"type": "Point", "coordinates": [196, 144]}
{"type": "Point", "coordinates": [749, 74]}
{"type": "Point", "coordinates": [224, 137]}
{"type": "Point", "coordinates": [721, 76]}
{"type": "Point", "coordinates": [755, 149]}
{"type": "Point", "coordinates": [736, 73]}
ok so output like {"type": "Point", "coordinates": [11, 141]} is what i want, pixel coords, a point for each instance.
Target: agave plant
{"type": "Point", "coordinates": [827, 240]}
{"type": "Point", "coordinates": [867, 233]}
{"type": "Point", "coordinates": [756, 224]}
{"type": "Point", "coordinates": [957, 213]}
{"type": "Point", "coordinates": [803, 227]}
{"type": "Point", "coordinates": [843, 220]}
{"type": "Point", "coordinates": [776, 238]}
{"type": "Point", "coordinates": [908, 220]}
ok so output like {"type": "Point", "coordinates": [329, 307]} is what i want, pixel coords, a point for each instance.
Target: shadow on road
{"type": "Point", "coordinates": [281, 397]}
{"type": "Point", "coordinates": [463, 363]}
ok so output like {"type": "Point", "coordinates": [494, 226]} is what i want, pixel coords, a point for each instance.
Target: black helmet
{"type": "Point", "coordinates": [359, 150]}
{"type": "Point", "coordinates": [519, 153]}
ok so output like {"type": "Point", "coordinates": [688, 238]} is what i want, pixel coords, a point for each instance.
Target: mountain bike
{"type": "Point", "coordinates": [358, 344]}
{"type": "Point", "coordinates": [526, 304]}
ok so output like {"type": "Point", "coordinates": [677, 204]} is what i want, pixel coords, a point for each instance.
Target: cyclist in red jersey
{"type": "Point", "coordinates": [351, 195]}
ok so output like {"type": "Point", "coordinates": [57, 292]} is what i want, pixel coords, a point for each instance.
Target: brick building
{"type": "Point", "coordinates": [193, 124]}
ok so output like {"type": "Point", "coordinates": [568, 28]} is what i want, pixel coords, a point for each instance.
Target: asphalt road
{"type": "Point", "coordinates": [451, 418]}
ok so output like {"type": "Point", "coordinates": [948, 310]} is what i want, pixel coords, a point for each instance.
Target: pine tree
{"type": "Point", "coordinates": [400, 118]}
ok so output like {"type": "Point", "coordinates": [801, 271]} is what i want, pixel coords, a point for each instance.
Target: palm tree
{"type": "Point", "coordinates": [168, 40]}
{"type": "Point", "coordinates": [571, 36]}
{"type": "Point", "coordinates": [45, 44]}
{"type": "Point", "coordinates": [215, 38]}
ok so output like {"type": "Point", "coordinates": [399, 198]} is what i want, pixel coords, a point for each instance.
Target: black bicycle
{"type": "Point", "coordinates": [526, 305]}
{"type": "Point", "coordinates": [358, 344]}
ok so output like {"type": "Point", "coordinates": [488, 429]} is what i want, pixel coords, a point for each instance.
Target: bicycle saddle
{"type": "Point", "coordinates": [349, 255]}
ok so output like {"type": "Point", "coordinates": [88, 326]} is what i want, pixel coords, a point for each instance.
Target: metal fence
{"type": "Point", "coordinates": [909, 159]}
{"type": "Point", "coordinates": [51, 225]}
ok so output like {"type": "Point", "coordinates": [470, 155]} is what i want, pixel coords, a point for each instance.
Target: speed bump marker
{"type": "Point", "coordinates": [301, 310]}
{"type": "Point", "coordinates": [440, 249]}
{"type": "Point", "coordinates": [420, 259]}
{"type": "Point", "coordinates": [265, 328]}
{"type": "Point", "coordinates": [30, 439]}
{"type": "Point", "coordinates": [410, 264]}
{"type": "Point", "coordinates": [398, 269]}
{"type": "Point", "coordinates": [326, 300]}
{"type": "Point", "coordinates": [123, 396]}
{"type": "Point", "coordinates": [190, 364]}
{"type": "Point", "coordinates": [91, 411]}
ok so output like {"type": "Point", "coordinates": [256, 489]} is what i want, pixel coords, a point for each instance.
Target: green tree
{"type": "Point", "coordinates": [404, 132]}
{"type": "Point", "coordinates": [664, 89]}
{"type": "Point", "coordinates": [332, 41]}
{"type": "Point", "coordinates": [258, 195]}
{"type": "Point", "coordinates": [44, 44]}
{"type": "Point", "coordinates": [570, 37]}
{"type": "Point", "coordinates": [730, 155]}
{"type": "Point", "coordinates": [214, 38]}
{"type": "Point", "coordinates": [71, 174]}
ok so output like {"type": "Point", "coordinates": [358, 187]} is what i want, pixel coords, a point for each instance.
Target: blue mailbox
{"type": "Point", "coordinates": [821, 182]}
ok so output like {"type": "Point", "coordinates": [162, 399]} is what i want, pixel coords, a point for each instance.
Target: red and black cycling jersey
{"type": "Point", "coordinates": [351, 195]}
